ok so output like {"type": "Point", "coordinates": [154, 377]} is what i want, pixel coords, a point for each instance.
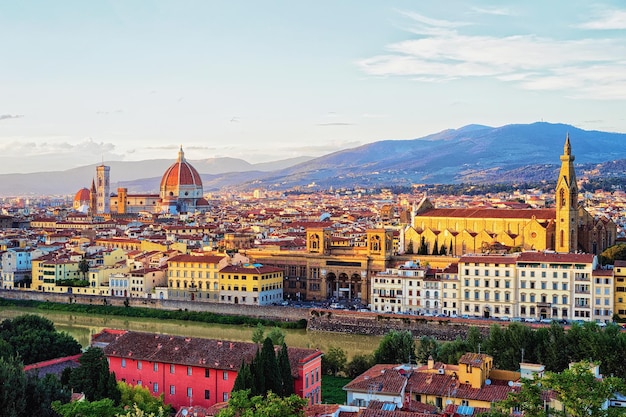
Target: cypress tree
{"type": "Point", "coordinates": [244, 380]}
{"type": "Point", "coordinates": [257, 371]}
{"type": "Point", "coordinates": [270, 373]}
{"type": "Point", "coordinates": [285, 372]}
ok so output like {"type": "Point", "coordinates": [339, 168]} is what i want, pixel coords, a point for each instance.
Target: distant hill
{"type": "Point", "coordinates": [138, 176]}
{"type": "Point", "coordinates": [471, 154]}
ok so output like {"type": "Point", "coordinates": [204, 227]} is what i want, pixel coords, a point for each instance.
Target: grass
{"type": "Point", "coordinates": [332, 389]}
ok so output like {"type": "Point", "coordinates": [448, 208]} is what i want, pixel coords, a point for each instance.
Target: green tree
{"type": "Point", "coordinates": [426, 348]}
{"type": "Point", "coordinates": [436, 247]}
{"type": "Point", "coordinates": [612, 254]}
{"type": "Point", "coordinates": [358, 365]}
{"type": "Point", "coordinates": [396, 347]}
{"type": "Point", "coordinates": [28, 333]}
{"type": "Point", "coordinates": [474, 339]}
{"type": "Point", "coordinates": [581, 393]}
{"type": "Point", "coordinates": [409, 247]}
{"type": "Point", "coordinates": [137, 397]}
{"type": "Point", "coordinates": [12, 387]}
{"type": "Point", "coordinates": [244, 380]}
{"type": "Point", "coordinates": [83, 267]}
{"type": "Point", "coordinates": [286, 377]}
{"type": "Point", "coordinates": [136, 411]}
{"type": "Point", "coordinates": [41, 392]}
{"type": "Point", "coordinates": [527, 401]}
{"type": "Point", "coordinates": [101, 408]}
{"type": "Point", "coordinates": [334, 361]}
{"type": "Point", "coordinates": [242, 405]}
{"type": "Point", "coordinates": [277, 336]}
{"type": "Point", "coordinates": [93, 378]}
{"type": "Point", "coordinates": [271, 373]}
{"type": "Point", "coordinates": [258, 335]}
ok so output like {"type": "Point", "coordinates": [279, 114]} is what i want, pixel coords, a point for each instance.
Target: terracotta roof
{"type": "Point", "coordinates": [192, 351]}
{"type": "Point", "coordinates": [449, 386]}
{"type": "Point", "coordinates": [556, 257]}
{"type": "Point", "coordinates": [180, 173]}
{"type": "Point", "coordinates": [384, 379]}
{"type": "Point", "coordinates": [490, 213]}
{"type": "Point", "coordinates": [83, 195]}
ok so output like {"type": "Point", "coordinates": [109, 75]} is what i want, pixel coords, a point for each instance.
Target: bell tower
{"type": "Point", "coordinates": [566, 203]}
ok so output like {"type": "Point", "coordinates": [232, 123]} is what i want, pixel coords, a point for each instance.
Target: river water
{"type": "Point", "coordinates": [83, 326]}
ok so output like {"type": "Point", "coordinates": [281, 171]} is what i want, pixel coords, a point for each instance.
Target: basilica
{"type": "Point", "coordinates": [568, 227]}
{"type": "Point", "coordinates": [180, 191]}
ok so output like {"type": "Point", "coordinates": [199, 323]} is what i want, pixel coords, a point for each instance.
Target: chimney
{"type": "Point", "coordinates": [431, 362]}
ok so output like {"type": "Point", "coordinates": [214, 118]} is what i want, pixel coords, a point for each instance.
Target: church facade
{"type": "Point", "coordinates": [566, 228]}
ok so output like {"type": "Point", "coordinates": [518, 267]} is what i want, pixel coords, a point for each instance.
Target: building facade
{"type": "Point", "coordinates": [193, 371]}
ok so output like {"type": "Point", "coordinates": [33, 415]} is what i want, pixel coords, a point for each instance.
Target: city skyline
{"type": "Point", "coordinates": [266, 81]}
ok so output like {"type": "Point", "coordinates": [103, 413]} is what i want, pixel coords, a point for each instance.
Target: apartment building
{"type": "Point", "coordinates": [488, 287]}
{"type": "Point", "coordinates": [251, 284]}
{"type": "Point", "coordinates": [399, 290]}
{"type": "Point", "coordinates": [192, 277]}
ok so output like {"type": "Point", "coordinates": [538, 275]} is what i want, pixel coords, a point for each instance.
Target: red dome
{"type": "Point", "coordinates": [180, 173]}
{"type": "Point", "coordinates": [83, 195]}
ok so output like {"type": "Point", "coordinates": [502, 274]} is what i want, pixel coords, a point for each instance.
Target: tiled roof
{"type": "Point", "coordinates": [448, 386]}
{"type": "Point", "coordinates": [191, 351]}
{"type": "Point", "coordinates": [489, 213]}
{"type": "Point", "coordinates": [555, 257]}
{"type": "Point", "coordinates": [383, 379]}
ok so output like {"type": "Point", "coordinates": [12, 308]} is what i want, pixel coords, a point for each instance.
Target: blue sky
{"type": "Point", "coordinates": [86, 81]}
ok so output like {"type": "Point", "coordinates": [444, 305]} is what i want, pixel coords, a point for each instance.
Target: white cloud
{"type": "Point", "coordinates": [497, 11]}
{"type": "Point", "coordinates": [607, 20]}
{"type": "Point", "coordinates": [529, 61]}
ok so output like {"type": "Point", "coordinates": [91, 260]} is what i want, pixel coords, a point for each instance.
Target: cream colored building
{"type": "Point", "coordinates": [398, 290]}
{"type": "Point", "coordinates": [192, 277]}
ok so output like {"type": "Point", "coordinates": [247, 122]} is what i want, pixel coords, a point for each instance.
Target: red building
{"type": "Point", "coordinates": [193, 371]}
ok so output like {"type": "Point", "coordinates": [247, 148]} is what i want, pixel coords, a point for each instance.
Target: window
{"type": "Point", "coordinates": [225, 397]}
{"type": "Point", "coordinates": [172, 390]}
{"type": "Point", "coordinates": [172, 367]}
{"type": "Point", "coordinates": [207, 394]}
{"type": "Point", "coordinates": [155, 387]}
{"type": "Point", "coordinates": [225, 376]}
{"type": "Point", "coordinates": [189, 392]}
{"type": "Point", "coordinates": [155, 366]}
{"type": "Point", "coordinates": [123, 363]}
{"type": "Point", "coordinates": [207, 373]}
{"type": "Point", "coordinates": [140, 383]}
{"type": "Point", "coordinates": [139, 365]}
{"type": "Point", "coordinates": [189, 370]}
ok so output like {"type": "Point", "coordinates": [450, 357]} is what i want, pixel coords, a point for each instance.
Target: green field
{"type": "Point", "coordinates": [332, 389]}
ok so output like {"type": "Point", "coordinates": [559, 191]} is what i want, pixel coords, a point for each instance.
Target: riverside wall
{"type": "Point", "coordinates": [351, 322]}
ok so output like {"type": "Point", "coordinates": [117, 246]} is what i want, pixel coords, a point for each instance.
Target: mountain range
{"type": "Point", "coordinates": [471, 154]}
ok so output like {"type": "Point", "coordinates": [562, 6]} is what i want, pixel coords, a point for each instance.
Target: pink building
{"type": "Point", "coordinates": [193, 371]}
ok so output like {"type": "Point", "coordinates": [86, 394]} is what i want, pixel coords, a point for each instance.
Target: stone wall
{"type": "Point", "coordinates": [367, 323]}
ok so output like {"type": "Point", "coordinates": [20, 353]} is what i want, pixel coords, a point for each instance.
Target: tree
{"type": "Point", "coordinates": [41, 392]}
{"type": "Point", "coordinates": [581, 393]}
{"type": "Point", "coordinates": [83, 267]}
{"type": "Point", "coordinates": [12, 387]}
{"type": "Point", "coordinates": [271, 373]}
{"type": "Point", "coordinates": [258, 335]}
{"type": "Point", "coordinates": [26, 335]}
{"type": "Point", "coordinates": [396, 347]}
{"type": "Point", "coordinates": [139, 398]}
{"type": "Point", "coordinates": [426, 349]}
{"type": "Point", "coordinates": [286, 377]}
{"type": "Point", "coordinates": [334, 361]}
{"type": "Point", "coordinates": [244, 380]}
{"type": "Point", "coordinates": [436, 247]}
{"type": "Point", "coordinates": [612, 254]}
{"type": "Point", "coordinates": [135, 411]}
{"type": "Point", "coordinates": [409, 247]}
{"type": "Point", "coordinates": [277, 336]}
{"type": "Point", "coordinates": [358, 365]}
{"type": "Point", "coordinates": [242, 405]}
{"type": "Point", "coordinates": [100, 408]}
{"type": "Point", "coordinates": [93, 378]}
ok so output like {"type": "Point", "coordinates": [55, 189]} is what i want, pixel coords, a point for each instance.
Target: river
{"type": "Point", "coordinates": [83, 326]}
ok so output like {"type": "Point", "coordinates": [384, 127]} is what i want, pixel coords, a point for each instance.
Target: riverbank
{"type": "Point", "coordinates": [336, 321]}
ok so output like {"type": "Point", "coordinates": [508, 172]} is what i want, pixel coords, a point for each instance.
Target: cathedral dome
{"type": "Point", "coordinates": [180, 174]}
{"type": "Point", "coordinates": [82, 198]}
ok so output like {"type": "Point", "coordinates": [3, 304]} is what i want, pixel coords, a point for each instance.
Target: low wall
{"type": "Point", "coordinates": [352, 322]}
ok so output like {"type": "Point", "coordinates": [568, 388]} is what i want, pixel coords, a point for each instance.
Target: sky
{"type": "Point", "coordinates": [83, 82]}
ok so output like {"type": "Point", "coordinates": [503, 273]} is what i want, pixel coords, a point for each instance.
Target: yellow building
{"type": "Point", "coordinates": [566, 228]}
{"type": "Point", "coordinates": [619, 269]}
{"type": "Point", "coordinates": [251, 284]}
{"type": "Point", "coordinates": [47, 272]}
{"type": "Point", "coordinates": [195, 277]}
